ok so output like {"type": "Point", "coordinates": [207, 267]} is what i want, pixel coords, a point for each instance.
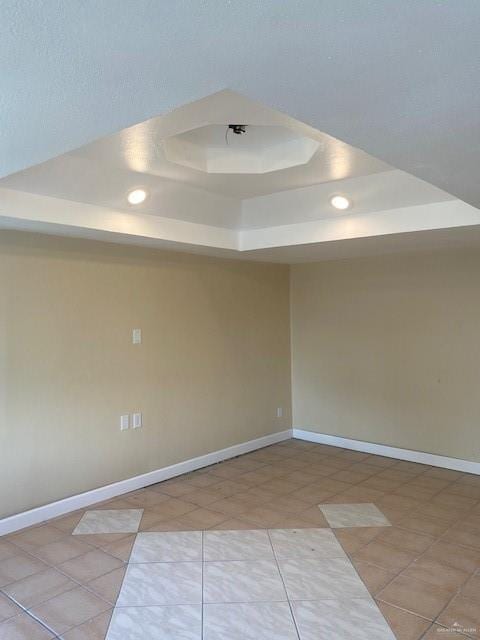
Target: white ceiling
{"type": "Point", "coordinates": [397, 80]}
{"type": "Point", "coordinates": [392, 105]}
{"type": "Point", "coordinates": [103, 172]}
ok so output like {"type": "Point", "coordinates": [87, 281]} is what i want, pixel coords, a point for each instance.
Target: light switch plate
{"type": "Point", "coordinates": [279, 412]}
{"type": "Point", "coordinates": [136, 420]}
{"type": "Point", "coordinates": [124, 422]}
{"type": "Point", "coordinates": [136, 336]}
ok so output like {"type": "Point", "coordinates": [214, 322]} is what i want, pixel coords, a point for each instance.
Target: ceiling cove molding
{"type": "Point", "coordinates": [47, 214]}
{"type": "Point", "coordinates": [26, 207]}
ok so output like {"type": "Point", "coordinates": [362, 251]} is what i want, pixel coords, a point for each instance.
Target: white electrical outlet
{"type": "Point", "coordinates": [136, 336]}
{"type": "Point", "coordinates": [279, 412]}
{"type": "Point", "coordinates": [124, 422]}
{"type": "Point", "coordinates": [136, 420]}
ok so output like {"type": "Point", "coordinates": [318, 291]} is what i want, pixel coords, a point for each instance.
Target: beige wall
{"type": "Point", "coordinates": [213, 367]}
{"type": "Point", "coordinates": [387, 350]}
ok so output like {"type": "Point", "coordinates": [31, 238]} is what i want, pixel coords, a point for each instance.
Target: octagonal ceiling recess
{"type": "Point", "coordinates": [216, 148]}
{"type": "Point", "coordinates": [263, 195]}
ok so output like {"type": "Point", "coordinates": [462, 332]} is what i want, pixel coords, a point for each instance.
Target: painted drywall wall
{"type": "Point", "coordinates": [387, 350]}
{"type": "Point", "coordinates": [213, 366]}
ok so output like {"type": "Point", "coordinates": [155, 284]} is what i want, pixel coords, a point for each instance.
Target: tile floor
{"type": "Point", "coordinates": [423, 570]}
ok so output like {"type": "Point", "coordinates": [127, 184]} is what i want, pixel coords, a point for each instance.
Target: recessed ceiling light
{"type": "Point", "coordinates": [340, 202]}
{"type": "Point", "coordinates": [137, 196]}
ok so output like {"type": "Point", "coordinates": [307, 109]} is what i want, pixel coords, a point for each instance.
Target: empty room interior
{"type": "Point", "coordinates": [239, 320]}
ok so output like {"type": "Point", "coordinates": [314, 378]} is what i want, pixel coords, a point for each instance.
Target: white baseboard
{"type": "Point", "coordinates": [432, 459]}
{"type": "Point", "coordinates": [67, 505]}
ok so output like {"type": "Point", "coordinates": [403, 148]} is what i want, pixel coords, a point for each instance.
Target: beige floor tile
{"type": "Point", "coordinates": [70, 609]}
{"type": "Point", "coordinates": [65, 549]}
{"type": "Point", "coordinates": [470, 479]}
{"type": "Point", "coordinates": [374, 578]}
{"type": "Point", "coordinates": [174, 488]}
{"type": "Point", "coordinates": [381, 484]}
{"type": "Point", "coordinates": [471, 589]}
{"type": "Point", "coordinates": [117, 504]}
{"type": "Point", "coordinates": [145, 498]}
{"type": "Point", "coordinates": [7, 550]}
{"type": "Point", "coordinates": [447, 474]}
{"type": "Point", "coordinates": [38, 588]}
{"type": "Point", "coordinates": [23, 627]}
{"type": "Point", "coordinates": [90, 566]}
{"type": "Point", "coordinates": [411, 467]}
{"type": "Point", "coordinates": [314, 516]}
{"type": "Point", "coordinates": [69, 522]}
{"type": "Point", "coordinates": [442, 512]}
{"type": "Point", "coordinates": [446, 499]}
{"type": "Point", "coordinates": [454, 556]}
{"type": "Point", "coordinates": [94, 629]}
{"type": "Point", "coordinates": [412, 490]}
{"type": "Point", "coordinates": [170, 525]}
{"type": "Point", "coordinates": [8, 609]}
{"type": "Point", "coordinates": [424, 524]}
{"type": "Point", "coordinates": [300, 476]}
{"type": "Point", "coordinates": [228, 488]}
{"type": "Point", "coordinates": [465, 613]}
{"type": "Point", "coordinates": [429, 482]}
{"type": "Point", "coordinates": [406, 540]}
{"type": "Point", "coordinates": [98, 540]}
{"type": "Point", "coordinates": [312, 493]}
{"type": "Point", "coordinates": [393, 514]}
{"type": "Point", "coordinates": [464, 534]}
{"type": "Point", "coordinates": [201, 518]}
{"type": "Point", "coordinates": [234, 524]}
{"type": "Point", "coordinates": [173, 508]}
{"type": "Point", "coordinates": [405, 625]}
{"type": "Point", "coordinates": [121, 549]}
{"type": "Point", "coordinates": [108, 586]}
{"type": "Point", "coordinates": [281, 486]}
{"type": "Point", "coordinates": [202, 497]}
{"type": "Point", "coordinates": [263, 516]}
{"type": "Point", "coordinates": [232, 506]}
{"type": "Point", "coordinates": [202, 480]}
{"type": "Point", "coordinates": [36, 537]}
{"type": "Point", "coordinates": [349, 542]}
{"type": "Point", "coordinates": [418, 597]}
{"type": "Point", "coordinates": [397, 502]}
{"type": "Point", "coordinates": [384, 556]}
{"type": "Point", "coordinates": [319, 469]}
{"type": "Point", "coordinates": [359, 493]}
{"type": "Point", "coordinates": [347, 475]}
{"type": "Point", "coordinates": [289, 505]}
{"type": "Point", "coordinates": [465, 490]}
{"type": "Point", "coordinates": [433, 572]}
{"type": "Point", "coordinates": [17, 567]}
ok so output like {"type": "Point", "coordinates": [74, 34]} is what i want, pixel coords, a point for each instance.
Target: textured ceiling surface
{"type": "Point", "coordinates": [397, 80]}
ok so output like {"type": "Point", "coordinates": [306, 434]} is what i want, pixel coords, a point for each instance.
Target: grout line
{"type": "Point", "coordinates": [31, 615]}
{"type": "Point", "coordinates": [284, 585]}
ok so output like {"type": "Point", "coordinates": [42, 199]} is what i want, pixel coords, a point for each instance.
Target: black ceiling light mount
{"type": "Point", "coordinates": [239, 129]}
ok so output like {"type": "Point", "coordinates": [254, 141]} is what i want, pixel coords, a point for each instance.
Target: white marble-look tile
{"type": "Point", "coordinates": [252, 621]}
{"type": "Point", "coordinates": [182, 622]}
{"type": "Point", "coordinates": [306, 543]}
{"type": "Point", "coordinates": [312, 579]}
{"type": "Point", "coordinates": [168, 546]}
{"type": "Point", "coordinates": [354, 515]}
{"type": "Point", "coordinates": [109, 521]}
{"type": "Point", "coordinates": [159, 583]}
{"type": "Point", "coordinates": [237, 545]}
{"type": "Point", "coordinates": [341, 620]}
{"type": "Point", "coordinates": [242, 581]}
